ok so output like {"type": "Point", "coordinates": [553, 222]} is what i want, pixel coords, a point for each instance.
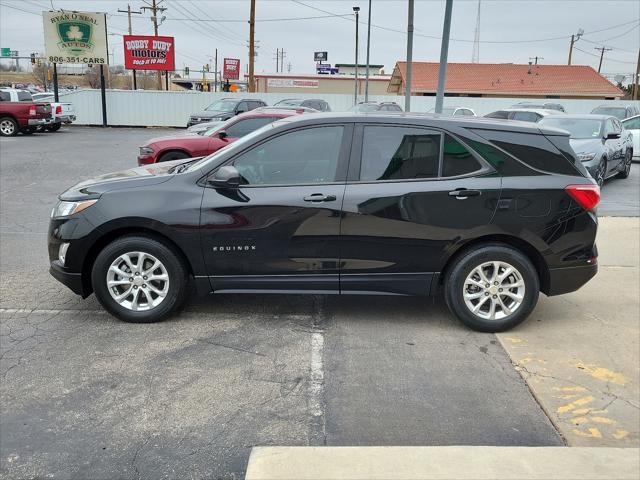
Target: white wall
{"type": "Point", "coordinates": [172, 109]}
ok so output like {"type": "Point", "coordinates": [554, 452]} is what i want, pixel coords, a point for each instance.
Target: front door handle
{"type": "Point", "coordinates": [463, 193]}
{"type": "Point", "coordinates": [319, 197]}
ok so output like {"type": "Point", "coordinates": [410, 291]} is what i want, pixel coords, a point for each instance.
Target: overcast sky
{"type": "Point", "coordinates": [614, 24]}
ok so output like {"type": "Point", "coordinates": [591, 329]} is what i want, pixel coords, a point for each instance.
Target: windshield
{"type": "Point", "coordinates": [365, 107]}
{"type": "Point", "coordinates": [618, 112]}
{"type": "Point", "coordinates": [222, 106]}
{"type": "Point", "coordinates": [578, 128]}
{"type": "Point", "coordinates": [292, 103]}
{"type": "Point", "coordinates": [215, 126]}
{"type": "Point", "coordinates": [210, 160]}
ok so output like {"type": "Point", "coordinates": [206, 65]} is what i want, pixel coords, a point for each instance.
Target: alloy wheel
{"type": "Point", "coordinates": [138, 281]}
{"type": "Point", "coordinates": [601, 173]}
{"type": "Point", "coordinates": [493, 290]}
{"type": "Point", "coordinates": [627, 163]}
{"type": "Point", "coordinates": [7, 127]}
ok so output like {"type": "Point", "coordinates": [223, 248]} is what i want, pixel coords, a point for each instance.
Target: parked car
{"type": "Point", "coordinates": [63, 112]}
{"type": "Point", "coordinates": [455, 112]}
{"type": "Point", "coordinates": [174, 147]}
{"type": "Point", "coordinates": [224, 109]}
{"type": "Point", "coordinates": [365, 107]}
{"type": "Point", "coordinates": [201, 128]}
{"type": "Point", "coordinates": [522, 114]}
{"type": "Point", "coordinates": [315, 103]}
{"type": "Point", "coordinates": [619, 111]}
{"type": "Point", "coordinates": [22, 116]}
{"type": "Point", "coordinates": [632, 125]}
{"type": "Point", "coordinates": [419, 205]}
{"type": "Point", "coordinates": [603, 146]}
{"type": "Point", "coordinates": [542, 105]}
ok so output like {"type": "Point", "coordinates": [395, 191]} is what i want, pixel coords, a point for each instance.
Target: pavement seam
{"type": "Point", "coordinates": [317, 403]}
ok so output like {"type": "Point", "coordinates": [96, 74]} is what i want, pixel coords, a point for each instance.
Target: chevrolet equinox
{"type": "Point", "coordinates": [488, 213]}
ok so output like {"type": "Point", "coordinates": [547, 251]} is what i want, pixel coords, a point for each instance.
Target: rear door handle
{"type": "Point", "coordinates": [463, 193]}
{"type": "Point", "coordinates": [319, 197]}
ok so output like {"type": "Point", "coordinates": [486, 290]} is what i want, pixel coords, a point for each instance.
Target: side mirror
{"type": "Point", "coordinates": [222, 134]}
{"type": "Point", "coordinates": [225, 177]}
{"type": "Point", "coordinates": [612, 136]}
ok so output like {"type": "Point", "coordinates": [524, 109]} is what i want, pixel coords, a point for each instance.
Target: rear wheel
{"type": "Point", "coordinates": [175, 155]}
{"type": "Point", "coordinates": [53, 128]}
{"type": "Point", "coordinates": [492, 288]}
{"type": "Point", "coordinates": [139, 279]}
{"type": "Point", "coordinates": [626, 166]}
{"type": "Point", "coordinates": [8, 127]}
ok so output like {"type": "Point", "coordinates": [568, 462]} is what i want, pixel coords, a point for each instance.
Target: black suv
{"type": "Point", "coordinates": [485, 212]}
{"type": "Point", "coordinates": [224, 109]}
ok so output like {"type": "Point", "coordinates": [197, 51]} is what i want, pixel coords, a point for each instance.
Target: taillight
{"type": "Point", "coordinates": [58, 109]}
{"type": "Point", "coordinates": [32, 111]}
{"type": "Point", "coordinates": [587, 196]}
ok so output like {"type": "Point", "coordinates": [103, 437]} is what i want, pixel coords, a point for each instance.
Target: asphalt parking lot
{"type": "Point", "coordinates": [86, 396]}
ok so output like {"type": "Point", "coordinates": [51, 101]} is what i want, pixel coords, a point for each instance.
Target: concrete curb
{"type": "Point", "coordinates": [439, 463]}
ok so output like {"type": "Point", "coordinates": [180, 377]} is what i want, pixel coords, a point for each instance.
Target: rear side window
{"type": "Point", "coordinates": [5, 97]}
{"type": "Point", "coordinates": [534, 150]}
{"type": "Point", "coordinates": [24, 96]}
{"type": "Point", "coordinates": [499, 114]}
{"type": "Point", "coordinates": [456, 159]}
{"type": "Point", "coordinates": [525, 116]}
{"type": "Point", "coordinates": [399, 153]}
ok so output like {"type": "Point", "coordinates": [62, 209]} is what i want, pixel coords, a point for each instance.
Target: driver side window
{"type": "Point", "coordinates": [300, 157]}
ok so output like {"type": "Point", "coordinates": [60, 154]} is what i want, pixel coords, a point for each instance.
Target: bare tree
{"type": "Point", "coordinates": [41, 73]}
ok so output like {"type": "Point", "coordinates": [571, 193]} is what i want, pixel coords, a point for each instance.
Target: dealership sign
{"type": "Point", "coordinates": [75, 37]}
{"type": "Point", "coordinates": [231, 68]}
{"type": "Point", "coordinates": [144, 52]}
{"type": "Point", "coordinates": [292, 83]}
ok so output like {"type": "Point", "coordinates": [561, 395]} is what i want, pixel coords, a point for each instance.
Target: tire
{"type": "Point", "coordinates": [463, 273]}
{"type": "Point", "coordinates": [174, 155]}
{"type": "Point", "coordinates": [601, 173]}
{"type": "Point", "coordinates": [8, 127]}
{"type": "Point", "coordinates": [53, 128]}
{"type": "Point", "coordinates": [626, 166]}
{"type": "Point", "coordinates": [171, 266]}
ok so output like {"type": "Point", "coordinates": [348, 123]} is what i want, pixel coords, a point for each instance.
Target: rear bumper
{"type": "Point", "coordinates": [570, 279]}
{"type": "Point", "coordinates": [71, 280]}
{"type": "Point", "coordinates": [66, 118]}
{"type": "Point", "coordinates": [39, 121]}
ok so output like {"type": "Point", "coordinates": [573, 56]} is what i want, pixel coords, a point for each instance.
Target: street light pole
{"type": "Point", "coordinates": [355, 97]}
{"type": "Point", "coordinates": [407, 86]}
{"type": "Point", "coordinates": [366, 82]}
{"type": "Point", "coordinates": [444, 53]}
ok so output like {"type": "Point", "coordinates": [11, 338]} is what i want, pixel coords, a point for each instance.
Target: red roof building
{"type": "Point", "coordinates": [505, 80]}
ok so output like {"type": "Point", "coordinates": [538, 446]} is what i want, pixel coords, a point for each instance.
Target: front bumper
{"type": "Point", "coordinates": [70, 279]}
{"type": "Point", "coordinates": [39, 121]}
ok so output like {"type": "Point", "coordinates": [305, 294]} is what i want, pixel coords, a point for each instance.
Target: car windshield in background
{"type": "Point", "coordinates": [290, 103]}
{"type": "Point", "coordinates": [364, 107]}
{"type": "Point", "coordinates": [618, 112]}
{"type": "Point", "coordinates": [222, 106]}
{"type": "Point", "coordinates": [215, 128]}
{"type": "Point", "coordinates": [578, 128]}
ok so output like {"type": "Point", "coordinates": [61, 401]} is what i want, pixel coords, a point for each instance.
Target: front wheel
{"type": "Point", "coordinates": [169, 156]}
{"type": "Point", "coordinates": [492, 288]}
{"type": "Point", "coordinates": [626, 166]}
{"type": "Point", "coordinates": [601, 172]}
{"type": "Point", "coordinates": [139, 279]}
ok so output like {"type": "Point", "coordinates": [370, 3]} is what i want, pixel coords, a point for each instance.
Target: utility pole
{"type": "Point", "coordinates": [282, 55]}
{"type": "Point", "coordinates": [366, 81]}
{"type": "Point", "coordinates": [636, 84]}
{"type": "Point", "coordinates": [215, 72]}
{"type": "Point", "coordinates": [277, 58]}
{"type": "Point", "coordinates": [535, 59]}
{"type": "Point", "coordinates": [444, 53]}
{"type": "Point", "coordinates": [574, 39]}
{"type": "Point", "coordinates": [252, 25]}
{"type": "Point", "coordinates": [128, 11]}
{"type": "Point", "coordinates": [602, 50]}
{"type": "Point", "coordinates": [355, 98]}
{"type": "Point", "coordinates": [155, 8]}
{"type": "Point", "coordinates": [407, 86]}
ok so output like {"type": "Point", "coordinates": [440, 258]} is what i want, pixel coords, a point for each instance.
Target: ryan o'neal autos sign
{"type": "Point", "coordinates": [75, 37]}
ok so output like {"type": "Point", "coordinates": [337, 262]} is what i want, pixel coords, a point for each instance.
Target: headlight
{"type": "Point", "coordinates": [65, 209]}
{"type": "Point", "coordinates": [146, 151]}
{"type": "Point", "coordinates": [585, 157]}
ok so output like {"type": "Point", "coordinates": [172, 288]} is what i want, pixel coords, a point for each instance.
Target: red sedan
{"type": "Point", "coordinates": [174, 147]}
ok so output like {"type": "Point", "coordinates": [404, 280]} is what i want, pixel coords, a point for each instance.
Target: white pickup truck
{"type": "Point", "coordinates": [62, 112]}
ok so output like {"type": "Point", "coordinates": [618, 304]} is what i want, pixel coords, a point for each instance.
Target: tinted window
{"type": "Point", "coordinates": [243, 127]}
{"type": "Point", "coordinates": [398, 153]}
{"type": "Point", "coordinates": [394, 108]}
{"type": "Point", "coordinates": [304, 156]}
{"type": "Point", "coordinates": [525, 116]}
{"type": "Point", "coordinates": [633, 124]}
{"type": "Point", "coordinates": [618, 112]}
{"type": "Point", "coordinates": [456, 159]}
{"type": "Point", "coordinates": [5, 97]}
{"type": "Point", "coordinates": [609, 127]}
{"type": "Point", "coordinates": [24, 96]}
{"type": "Point", "coordinates": [243, 107]}
{"type": "Point", "coordinates": [499, 114]}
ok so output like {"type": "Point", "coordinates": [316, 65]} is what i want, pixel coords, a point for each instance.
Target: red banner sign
{"type": "Point", "coordinates": [143, 52]}
{"type": "Point", "coordinates": [231, 69]}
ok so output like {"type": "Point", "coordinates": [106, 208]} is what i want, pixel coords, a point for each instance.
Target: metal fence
{"type": "Point", "coordinates": [172, 109]}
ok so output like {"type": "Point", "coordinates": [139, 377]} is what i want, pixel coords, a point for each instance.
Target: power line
{"type": "Point", "coordinates": [598, 56]}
